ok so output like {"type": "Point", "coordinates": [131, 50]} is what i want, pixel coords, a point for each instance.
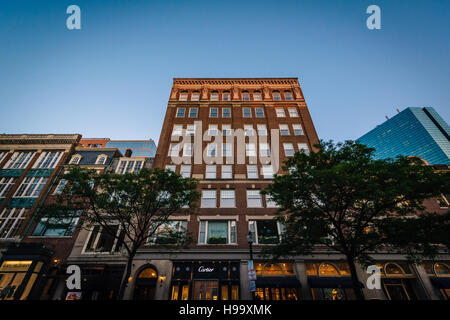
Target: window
{"type": "Point", "coordinates": [183, 96]}
{"type": "Point", "coordinates": [190, 130]}
{"type": "Point", "coordinates": [226, 96]}
{"type": "Point", "coordinates": [57, 227]}
{"type": "Point", "coordinates": [226, 113]}
{"type": "Point", "coordinates": [187, 149]}
{"type": "Point", "coordinates": [226, 129]}
{"type": "Point", "coordinates": [210, 172]}
{"type": "Point", "coordinates": [48, 160]}
{"type": "Point", "coordinates": [288, 149]}
{"type": "Point", "coordinates": [245, 96]}
{"type": "Point", "coordinates": [252, 172]}
{"type": "Point", "coordinates": [217, 232]}
{"type": "Point", "coordinates": [250, 150]}
{"type": "Point", "coordinates": [262, 129]}
{"type": "Point", "coordinates": [6, 184]}
{"type": "Point", "coordinates": [31, 187]}
{"type": "Point", "coordinates": [171, 167]}
{"type": "Point", "coordinates": [193, 112]}
{"type": "Point", "coordinates": [276, 95]}
{"type": "Point", "coordinates": [214, 96]}
{"type": "Point", "coordinates": [280, 112]}
{"type": "Point", "coordinates": [195, 96]}
{"type": "Point", "coordinates": [129, 166]}
{"type": "Point", "coordinates": [212, 130]}
{"type": "Point", "coordinates": [185, 171]}
{"type": "Point", "coordinates": [213, 112]}
{"type": "Point", "coordinates": [180, 112]}
{"type": "Point", "coordinates": [102, 241]}
{"type": "Point", "coordinates": [227, 172]}
{"type": "Point", "coordinates": [177, 130]}
{"type": "Point", "coordinates": [2, 155]}
{"type": "Point", "coordinates": [270, 203]}
{"type": "Point", "coordinates": [288, 96]}
{"type": "Point", "coordinates": [211, 150]}
{"type": "Point", "coordinates": [174, 149]}
{"type": "Point", "coordinates": [247, 112]}
{"type": "Point", "coordinates": [264, 150]}
{"type": "Point", "coordinates": [19, 160]}
{"type": "Point", "coordinates": [267, 171]}
{"type": "Point", "coordinates": [227, 199]}
{"type": "Point", "coordinates": [284, 129]}
{"type": "Point", "coordinates": [166, 233]}
{"type": "Point", "coordinates": [60, 187]}
{"type": "Point", "coordinates": [259, 112]}
{"type": "Point", "coordinates": [303, 146]}
{"type": "Point", "coordinates": [11, 220]}
{"type": "Point", "coordinates": [257, 95]}
{"type": "Point", "coordinates": [248, 129]}
{"type": "Point", "coordinates": [75, 159]}
{"type": "Point", "coordinates": [101, 159]}
{"type": "Point", "coordinates": [227, 150]}
{"type": "Point", "coordinates": [208, 198]}
{"type": "Point", "coordinates": [265, 231]}
{"type": "Point", "coordinates": [298, 131]}
{"type": "Point", "coordinates": [254, 199]}
{"type": "Point", "coordinates": [293, 112]}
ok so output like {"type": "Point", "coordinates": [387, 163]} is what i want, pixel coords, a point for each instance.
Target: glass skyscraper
{"type": "Point", "coordinates": [145, 148]}
{"type": "Point", "coordinates": [413, 132]}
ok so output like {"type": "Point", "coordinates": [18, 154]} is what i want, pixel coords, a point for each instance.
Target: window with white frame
{"type": "Point", "coordinates": [2, 155]}
{"type": "Point", "coordinates": [11, 220]}
{"type": "Point", "coordinates": [6, 183]}
{"type": "Point", "coordinates": [248, 129]}
{"type": "Point", "coordinates": [226, 96]}
{"type": "Point", "coordinates": [171, 167]}
{"type": "Point", "coordinates": [19, 160]}
{"type": "Point", "coordinates": [195, 96]}
{"type": "Point", "coordinates": [227, 150]}
{"type": "Point", "coordinates": [280, 112]}
{"type": "Point", "coordinates": [298, 130]}
{"type": "Point", "coordinates": [217, 232]}
{"type": "Point", "coordinates": [214, 96]}
{"type": "Point", "coordinates": [101, 240]}
{"type": "Point", "coordinates": [177, 130]}
{"type": "Point", "coordinates": [48, 160]}
{"type": "Point", "coordinates": [190, 130]}
{"type": "Point", "coordinates": [188, 149]}
{"type": "Point", "coordinates": [267, 171]}
{"type": "Point", "coordinates": [226, 129]}
{"type": "Point", "coordinates": [288, 149]}
{"type": "Point", "coordinates": [129, 166]}
{"type": "Point", "coordinates": [174, 149]}
{"type": "Point", "coordinates": [212, 130]}
{"type": "Point", "coordinates": [245, 96]}
{"type": "Point", "coordinates": [209, 199]}
{"type": "Point", "coordinates": [293, 112]}
{"type": "Point", "coordinates": [303, 146]}
{"type": "Point", "coordinates": [284, 129]}
{"type": "Point", "coordinates": [211, 149]}
{"type": "Point", "coordinates": [101, 159]}
{"type": "Point", "coordinates": [270, 203]}
{"type": "Point", "coordinates": [57, 226]}
{"type": "Point", "coordinates": [254, 199]}
{"type": "Point", "coordinates": [193, 112]}
{"type": "Point", "coordinates": [266, 231]}
{"type": "Point", "coordinates": [185, 171]}
{"type": "Point", "coordinates": [213, 112]}
{"type": "Point", "coordinates": [276, 95]}
{"type": "Point", "coordinates": [257, 96]}
{"type": "Point", "coordinates": [252, 171]}
{"type": "Point", "coordinates": [76, 158]}
{"type": "Point", "coordinates": [259, 112]}
{"type": "Point", "coordinates": [247, 112]}
{"type": "Point", "coordinates": [262, 129]}
{"type": "Point", "coordinates": [250, 150]}
{"type": "Point", "coordinates": [31, 187]}
{"type": "Point", "coordinates": [227, 199]}
{"type": "Point", "coordinates": [210, 172]}
{"type": "Point", "coordinates": [288, 96]}
{"type": "Point", "coordinates": [227, 172]}
{"type": "Point", "coordinates": [60, 187]}
{"type": "Point", "coordinates": [264, 150]}
{"type": "Point", "coordinates": [183, 96]}
{"type": "Point", "coordinates": [226, 112]}
{"type": "Point", "coordinates": [181, 112]}
{"type": "Point", "coordinates": [165, 232]}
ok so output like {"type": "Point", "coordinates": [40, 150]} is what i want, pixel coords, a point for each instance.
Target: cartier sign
{"type": "Point", "coordinates": [203, 269]}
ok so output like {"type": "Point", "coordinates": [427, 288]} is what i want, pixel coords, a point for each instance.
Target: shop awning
{"type": "Point", "coordinates": [286, 282]}
{"type": "Point", "coordinates": [441, 282]}
{"type": "Point", "coordinates": [331, 282]}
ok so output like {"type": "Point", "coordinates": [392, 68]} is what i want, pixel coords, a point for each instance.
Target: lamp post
{"type": "Point", "coordinates": [250, 244]}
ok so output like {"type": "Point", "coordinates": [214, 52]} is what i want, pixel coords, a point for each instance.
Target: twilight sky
{"type": "Point", "coordinates": [112, 78]}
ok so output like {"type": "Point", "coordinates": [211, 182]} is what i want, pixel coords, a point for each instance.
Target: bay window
{"type": "Point", "coordinates": [217, 232]}
{"type": "Point", "coordinates": [266, 231]}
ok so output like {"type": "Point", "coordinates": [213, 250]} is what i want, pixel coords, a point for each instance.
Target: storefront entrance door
{"type": "Point", "coordinates": [206, 290]}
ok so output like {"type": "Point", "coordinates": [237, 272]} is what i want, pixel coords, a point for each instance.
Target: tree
{"type": "Point", "coordinates": [341, 198]}
{"type": "Point", "coordinates": [138, 203]}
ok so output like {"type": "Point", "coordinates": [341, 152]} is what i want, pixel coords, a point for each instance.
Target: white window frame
{"type": "Point", "coordinates": [293, 113]}
{"type": "Point", "coordinates": [284, 130]}
{"type": "Point", "coordinates": [185, 170]}
{"type": "Point", "coordinates": [252, 171]}
{"type": "Point", "coordinates": [248, 130]}
{"type": "Point", "coordinates": [226, 130]}
{"type": "Point", "coordinates": [262, 129]}
{"type": "Point", "coordinates": [188, 149]}
{"type": "Point", "coordinates": [285, 147]}
{"type": "Point", "coordinates": [48, 160]}
{"type": "Point", "coordinates": [213, 130]}
{"type": "Point", "coordinates": [227, 172]}
{"type": "Point", "coordinates": [226, 94]}
{"type": "Point", "coordinates": [171, 167]}
{"type": "Point", "coordinates": [232, 231]}
{"type": "Point", "coordinates": [264, 149]}
{"type": "Point", "coordinates": [252, 228]}
{"type": "Point", "coordinates": [227, 149]}
{"type": "Point", "coordinates": [270, 203]}
{"type": "Point", "coordinates": [254, 196]}
{"type": "Point", "coordinates": [190, 112]}
{"type": "Point", "coordinates": [195, 96]}
{"type": "Point", "coordinates": [211, 113]}
{"type": "Point", "coordinates": [19, 160]}
{"type": "Point", "coordinates": [208, 199]}
{"type": "Point", "coordinates": [60, 187]}
{"type": "Point", "coordinates": [226, 200]}
{"type": "Point", "coordinates": [174, 150]}
{"type": "Point", "coordinates": [177, 115]}
{"type": "Point", "coordinates": [280, 112]}
{"type": "Point", "coordinates": [130, 165]}
{"type": "Point", "coordinates": [267, 171]}
{"type": "Point", "coordinates": [113, 248]}
{"type": "Point", "coordinates": [303, 146]}
{"type": "Point", "coordinates": [257, 95]}
{"type": "Point", "coordinates": [6, 216]}
{"type": "Point", "coordinates": [250, 150]}
{"type": "Point", "coordinates": [288, 96]}
{"type": "Point", "coordinates": [276, 95]}
{"type": "Point", "coordinates": [214, 96]}
{"type": "Point", "coordinates": [183, 96]}
{"type": "Point", "coordinates": [99, 157]}
{"type": "Point", "coordinates": [298, 129]}
{"type": "Point", "coordinates": [243, 112]}
{"type": "Point", "coordinates": [210, 171]}
{"type": "Point", "coordinates": [245, 96]}
{"type": "Point", "coordinates": [31, 187]}
{"type": "Point", "coordinates": [6, 184]}
{"type": "Point", "coordinates": [177, 130]}
{"type": "Point", "coordinates": [209, 148]}
{"type": "Point", "coordinates": [256, 112]}
{"type": "Point", "coordinates": [223, 113]}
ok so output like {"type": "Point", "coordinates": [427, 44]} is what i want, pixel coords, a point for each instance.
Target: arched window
{"type": "Point", "coordinates": [272, 269]}
{"type": "Point", "coordinates": [148, 273]}
{"type": "Point", "coordinates": [288, 95]}
{"type": "Point", "coordinates": [195, 96]}
{"type": "Point", "coordinates": [226, 96]}
{"type": "Point", "coordinates": [75, 159]}
{"type": "Point", "coordinates": [257, 95]}
{"type": "Point", "coordinates": [245, 96]}
{"type": "Point", "coordinates": [183, 96]}
{"type": "Point", "coordinates": [101, 159]}
{"type": "Point", "coordinates": [327, 269]}
{"type": "Point", "coordinates": [393, 269]}
{"type": "Point", "coordinates": [214, 96]}
{"type": "Point", "coordinates": [441, 269]}
{"type": "Point", "coordinates": [276, 95]}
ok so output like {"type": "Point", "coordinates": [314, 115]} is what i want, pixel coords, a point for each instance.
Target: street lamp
{"type": "Point", "coordinates": [250, 243]}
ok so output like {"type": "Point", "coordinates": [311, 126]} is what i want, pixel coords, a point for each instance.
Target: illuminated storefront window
{"type": "Point", "coordinates": [13, 273]}
{"type": "Point", "coordinates": [439, 273]}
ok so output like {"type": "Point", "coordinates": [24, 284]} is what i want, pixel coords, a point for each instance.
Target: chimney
{"type": "Point", "coordinates": [128, 153]}
{"type": "Point", "coordinates": [398, 111]}
{"type": "Point", "coordinates": [387, 118]}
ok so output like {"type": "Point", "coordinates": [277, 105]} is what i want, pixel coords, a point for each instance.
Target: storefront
{"type": "Point", "coordinates": [205, 280]}
{"type": "Point", "coordinates": [276, 281]}
{"type": "Point", "coordinates": [439, 273]}
{"type": "Point", "coordinates": [398, 281]}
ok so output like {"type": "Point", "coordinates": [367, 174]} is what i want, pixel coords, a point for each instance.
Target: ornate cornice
{"type": "Point", "coordinates": [37, 139]}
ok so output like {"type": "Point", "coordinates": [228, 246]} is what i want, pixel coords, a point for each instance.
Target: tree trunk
{"type": "Point", "coordinates": [356, 285]}
{"type": "Point", "coordinates": [124, 282]}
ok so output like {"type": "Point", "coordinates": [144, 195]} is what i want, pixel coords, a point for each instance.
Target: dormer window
{"type": "Point", "coordinates": [226, 96]}
{"type": "Point", "coordinates": [288, 95]}
{"type": "Point", "coordinates": [245, 96]}
{"type": "Point", "coordinates": [214, 96]}
{"type": "Point", "coordinates": [183, 96]}
{"type": "Point", "coordinates": [101, 159]}
{"type": "Point", "coordinates": [75, 159]}
{"type": "Point", "coordinates": [195, 96]}
{"type": "Point", "coordinates": [257, 95]}
{"type": "Point", "coordinates": [276, 95]}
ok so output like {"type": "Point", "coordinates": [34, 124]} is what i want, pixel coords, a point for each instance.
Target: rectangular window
{"type": "Point", "coordinates": [177, 130]}
{"type": "Point", "coordinates": [293, 112]}
{"type": "Point", "coordinates": [264, 150]}
{"type": "Point", "coordinates": [288, 149]}
{"type": "Point", "coordinates": [185, 171]}
{"type": "Point", "coordinates": [298, 131]}
{"type": "Point", "coordinates": [180, 112]}
{"type": "Point", "coordinates": [227, 150]}
{"type": "Point", "coordinates": [19, 160]}
{"type": "Point", "coordinates": [265, 231]}
{"type": "Point", "coordinates": [247, 112]}
{"type": "Point", "coordinates": [259, 112]}
{"type": "Point", "coordinates": [303, 146]}
{"type": "Point", "coordinates": [6, 184]}
{"type": "Point", "coordinates": [210, 172]}
{"type": "Point", "coordinates": [214, 96]}
{"type": "Point", "coordinates": [102, 241]}
{"type": "Point", "coordinates": [183, 96]}
{"type": "Point", "coordinates": [248, 129]}
{"type": "Point", "coordinates": [60, 187]}
{"type": "Point", "coordinates": [171, 167]}
{"type": "Point", "coordinates": [213, 112]}
{"type": "Point", "coordinates": [257, 96]}
{"type": "Point", "coordinates": [217, 232]}
{"type": "Point", "coordinates": [288, 96]}
{"type": "Point", "coordinates": [250, 150]}
{"type": "Point", "coordinates": [209, 199]}
{"type": "Point", "coordinates": [262, 129]}
{"type": "Point", "coordinates": [267, 171]}
{"type": "Point", "coordinates": [226, 129]}
{"type": "Point", "coordinates": [226, 113]}
{"type": "Point", "coordinates": [48, 160]}
{"type": "Point", "coordinates": [212, 149]}
{"type": "Point", "coordinates": [227, 199]}
{"type": "Point", "coordinates": [252, 172]}
{"type": "Point", "coordinates": [2, 155]}
{"type": "Point", "coordinates": [11, 220]}
{"type": "Point", "coordinates": [174, 150]}
{"type": "Point", "coordinates": [187, 149]}
{"type": "Point", "coordinates": [276, 96]}
{"type": "Point", "coordinates": [227, 172]}
{"type": "Point", "coordinates": [270, 203]}
{"type": "Point", "coordinates": [57, 227]}
{"type": "Point", "coordinates": [195, 96]}
{"type": "Point", "coordinates": [226, 96]}
{"type": "Point", "coordinates": [190, 130]}
{"type": "Point", "coordinates": [193, 112]}
{"type": "Point", "coordinates": [212, 130]}
{"type": "Point", "coordinates": [168, 232]}
{"type": "Point", "coordinates": [129, 166]}
{"type": "Point", "coordinates": [284, 129]}
{"type": "Point", "coordinates": [254, 199]}
{"type": "Point", "coordinates": [245, 96]}
{"type": "Point", "coordinates": [31, 187]}
{"type": "Point", "coordinates": [280, 112]}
